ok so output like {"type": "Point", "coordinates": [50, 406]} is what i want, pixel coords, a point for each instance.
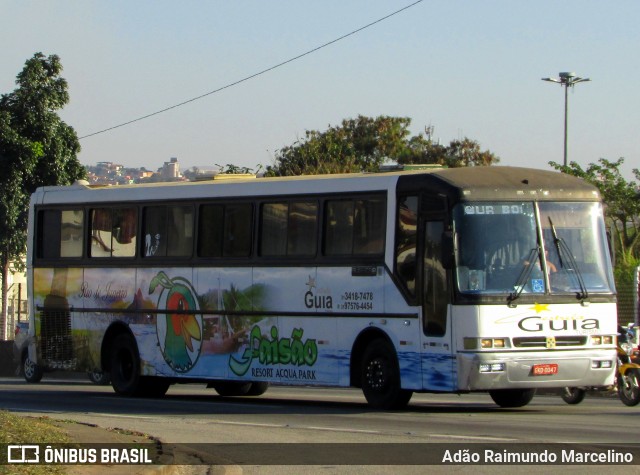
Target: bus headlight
{"type": "Point", "coordinates": [485, 343]}
{"type": "Point", "coordinates": [499, 343]}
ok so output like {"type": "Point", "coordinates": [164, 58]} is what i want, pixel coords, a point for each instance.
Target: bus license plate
{"type": "Point", "coordinates": [544, 369]}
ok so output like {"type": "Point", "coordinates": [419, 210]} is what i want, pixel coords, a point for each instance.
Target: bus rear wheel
{"type": "Point", "coordinates": [125, 366]}
{"type": "Point", "coordinates": [380, 377]}
{"type": "Point", "coordinates": [153, 387]}
{"type": "Point", "coordinates": [512, 397]}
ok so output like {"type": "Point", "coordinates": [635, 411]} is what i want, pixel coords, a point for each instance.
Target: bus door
{"type": "Point", "coordinates": [437, 355]}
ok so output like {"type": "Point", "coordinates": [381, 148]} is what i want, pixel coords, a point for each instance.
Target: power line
{"type": "Point", "coordinates": [264, 71]}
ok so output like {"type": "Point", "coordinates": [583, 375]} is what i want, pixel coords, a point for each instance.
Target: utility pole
{"type": "Point", "coordinates": [567, 80]}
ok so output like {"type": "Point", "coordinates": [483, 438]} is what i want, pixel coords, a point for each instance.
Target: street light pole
{"type": "Point", "coordinates": [567, 80]}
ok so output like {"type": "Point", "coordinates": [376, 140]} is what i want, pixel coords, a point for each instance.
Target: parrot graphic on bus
{"type": "Point", "coordinates": [182, 331]}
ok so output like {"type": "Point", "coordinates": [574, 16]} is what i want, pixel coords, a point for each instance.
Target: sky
{"type": "Point", "coordinates": [466, 68]}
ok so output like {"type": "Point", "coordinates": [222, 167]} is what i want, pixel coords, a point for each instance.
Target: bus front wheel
{"type": "Point", "coordinates": [125, 366]}
{"type": "Point", "coordinates": [231, 388]}
{"type": "Point", "coordinates": [512, 397]}
{"type": "Point", "coordinates": [380, 377]}
{"type": "Point", "coordinates": [258, 388]}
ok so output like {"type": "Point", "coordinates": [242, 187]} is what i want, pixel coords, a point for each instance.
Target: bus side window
{"type": "Point", "coordinates": [289, 229]}
{"type": "Point", "coordinates": [273, 232]}
{"type": "Point", "coordinates": [123, 235]}
{"type": "Point", "coordinates": [113, 232]}
{"type": "Point", "coordinates": [180, 231]}
{"type": "Point", "coordinates": [168, 231]}
{"type": "Point", "coordinates": [210, 230]}
{"type": "Point", "coordinates": [100, 233]}
{"type": "Point", "coordinates": [225, 230]}
{"type": "Point", "coordinates": [434, 281]}
{"type": "Point", "coordinates": [338, 228]}
{"type": "Point", "coordinates": [71, 233]}
{"type": "Point", "coordinates": [237, 230]}
{"type": "Point", "coordinates": [155, 238]}
{"type": "Point", "coordinates": [48, 237]}
{"type": "Point", "coordinates": [406, 241]}
{"type": "Point", "coordinates": [301, 235]}
{"type": "Point", "coordinates": [369, 225]}
{"type": "Point", "coordinates": [354, 227]}
{"type": "Point", "coordinates": [59, 233]}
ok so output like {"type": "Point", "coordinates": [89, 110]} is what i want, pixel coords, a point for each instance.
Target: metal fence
{"type": "Point", "coordinates": [629, 301]}
{"type": "Point", "coordinates": [17, 310]}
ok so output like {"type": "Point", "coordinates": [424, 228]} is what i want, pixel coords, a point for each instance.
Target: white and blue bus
{"type": "Point", "coordinates": [492, 279]}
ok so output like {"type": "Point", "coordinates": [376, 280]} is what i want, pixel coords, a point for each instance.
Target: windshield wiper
{"type": "Point", "coordinates": [563, 250]}
{"type": "Point", "coordinates": [534, 255]}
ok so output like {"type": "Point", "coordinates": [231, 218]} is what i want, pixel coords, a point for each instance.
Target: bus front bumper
{"type": "Point", "coordinates": [554, 369]}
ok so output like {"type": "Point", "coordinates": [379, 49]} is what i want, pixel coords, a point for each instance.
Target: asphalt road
{"type": "Point", "coordinates": [192, 415]}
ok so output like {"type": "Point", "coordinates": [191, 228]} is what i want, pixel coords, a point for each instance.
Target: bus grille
{"type": "Point", "coordinates": [56, 344]}
{"type": "Point", "coordinates": [541, 341]}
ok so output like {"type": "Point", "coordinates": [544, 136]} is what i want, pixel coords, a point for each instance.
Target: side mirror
{"type": "Point", "coordinates": [448, 250]}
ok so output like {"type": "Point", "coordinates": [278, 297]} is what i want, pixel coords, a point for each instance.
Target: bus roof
{"type": "Point", "coordinates": [503, 183]}
{"type": "Point", "coordinates": [243, 187]}
{"type": "Point", "coordinates": [465, 183]}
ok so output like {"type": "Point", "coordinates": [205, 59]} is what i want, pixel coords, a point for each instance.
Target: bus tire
{"type": "Point", "coordinates": [380, 377]}
{"type": "Point", "coordinates": [231, 388]}
{"type": "Point", "coordinates": [512, 397]}
{"type": "Point", "coordinates": [31, 371]}
{"type": "Point", "coordinates": [153, 386]}
{"type": "Point", "coordinates": [125, 366]}
{"type": "Point", "coordinates": [257, 388]}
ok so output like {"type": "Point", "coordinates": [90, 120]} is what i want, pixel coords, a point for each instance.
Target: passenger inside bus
{"type": "Point", "coordinates": [551, 267]}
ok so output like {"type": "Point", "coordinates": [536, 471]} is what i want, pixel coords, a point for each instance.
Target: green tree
{"type": "Point", "coordinates": [231, 169]}
{"type": "Point", "coordinates": [363, 144]}
{"type": "Point", "coordinates": [36, 149]}
{"type": "Point", "coordinates": [459, 153]}
{"type": "Point", "coordinates": [357, 145]}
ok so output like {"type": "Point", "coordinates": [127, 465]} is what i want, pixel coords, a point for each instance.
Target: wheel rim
{"type": "Point", "coordinates": [29, 368]}
{"type": "Point", "coordinates": [376, 374]}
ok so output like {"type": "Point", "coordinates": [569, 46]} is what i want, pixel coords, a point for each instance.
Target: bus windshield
{"type": "Point", "coordinates": [502, 249]}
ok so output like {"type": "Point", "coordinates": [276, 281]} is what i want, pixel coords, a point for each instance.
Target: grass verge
{"type": "Point", "coordinates": [29, 430]}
